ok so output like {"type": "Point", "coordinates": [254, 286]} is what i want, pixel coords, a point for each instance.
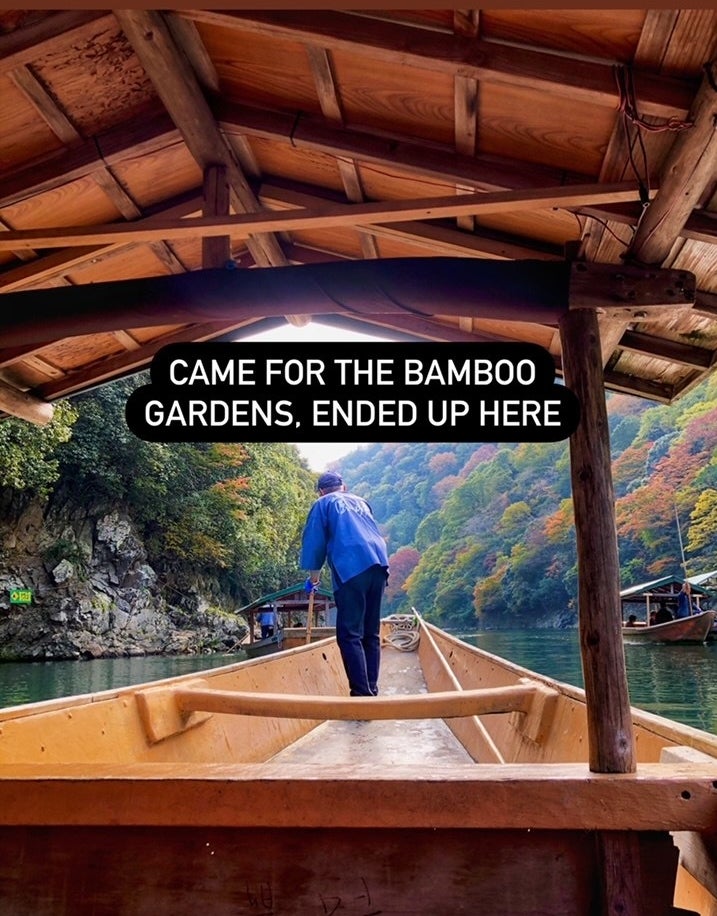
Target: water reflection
{"type": "Point", "coordinates": [27, 682]}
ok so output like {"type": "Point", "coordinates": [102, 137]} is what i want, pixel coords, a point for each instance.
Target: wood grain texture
{"type": "Point", "coordinates": [610, 734]}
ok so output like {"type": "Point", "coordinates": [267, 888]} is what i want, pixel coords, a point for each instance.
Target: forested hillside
{"type": "Point", "coordinates": [479, 535]}
{"type": "Point", "coordinates": [483, 535]}
{"type": "Point", "coordinates": [229, 514]}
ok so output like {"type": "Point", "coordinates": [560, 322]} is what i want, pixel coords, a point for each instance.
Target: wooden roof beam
{"type": "Point", "coordinates": [581, 78]}
{"type": "Point", "coordinates": [439, 238]}
{"type": "Point", "coordinates": [638, 387]}
{"type": "Point", "coordinates": [321, 68]}
{"type": "Point", "coordinates": [84, 158]}
{"type": "Point", "coordinates": [58, 263]}
{"type": "Point", "coordinates": [25, 406]}
{"type": "Point", "coordinates": [539, 291]}
{"type": "Point", "coordinates": [178, 87]}
{"type": "Point", "coordinates": [427, 161]}
{"type": "Point", "coordinates": [135, 360]}
{"type": "Point", "coordinates": [25, 45]}
{"type": "Point", "coordinates": [687, 175]}
{"type": "Point", "coordinates": [45, 105]}
{"type": "Point", "coordinates": [706, 304]}
{"type": "Point", "coordinates": [672, 351]}
{"type": "Point", "coordinates": [251, 224]}
{"type": "Point", "coordinates": [157, 131]}
{"type": "Point", "coordinates": [701, 225]}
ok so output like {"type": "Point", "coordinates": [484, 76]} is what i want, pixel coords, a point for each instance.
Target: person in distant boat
{"type": "Point", "coordinates": [266, 622]}
{"type": "Point", "coordinates": [684, 600]}
{"type": "Point", "coordinates": [341, 528]}
{"type": "Point", "coordinates": [631, 620]}
{"type": "Point", "coordinates": [663, 614]}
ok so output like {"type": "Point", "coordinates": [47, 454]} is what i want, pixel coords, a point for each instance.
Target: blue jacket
{"type": "Point", "coordinates": [340, 527]}
{"type": "Point", "coordinates": [683, 605]}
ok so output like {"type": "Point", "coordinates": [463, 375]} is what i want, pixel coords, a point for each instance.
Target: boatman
{"type": "Point", "coordinates": [340, 528]}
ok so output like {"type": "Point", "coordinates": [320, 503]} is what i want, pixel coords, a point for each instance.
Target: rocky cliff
{"type": "Point", "coordinates": [93, 593]}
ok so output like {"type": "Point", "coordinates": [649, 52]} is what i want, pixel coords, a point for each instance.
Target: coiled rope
{"type": "Point", "coordinates": [403, 634]}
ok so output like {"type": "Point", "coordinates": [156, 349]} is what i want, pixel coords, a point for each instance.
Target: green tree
{"type": "Point", "coordinates": [28, 461]}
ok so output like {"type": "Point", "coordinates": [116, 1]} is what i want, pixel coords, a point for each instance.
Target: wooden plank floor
{"type": "Point", "coordinates": [423, 741]}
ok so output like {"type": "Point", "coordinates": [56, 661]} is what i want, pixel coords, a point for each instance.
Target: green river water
{"type": "Point", "coordinates": [679, 682]}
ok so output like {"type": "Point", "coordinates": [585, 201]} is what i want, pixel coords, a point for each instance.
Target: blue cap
{"type": "Point", "coordinates": [329, 480]}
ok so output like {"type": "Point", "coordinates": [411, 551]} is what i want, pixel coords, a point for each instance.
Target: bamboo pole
{"type": "Point", "coordinates": [309, 615]}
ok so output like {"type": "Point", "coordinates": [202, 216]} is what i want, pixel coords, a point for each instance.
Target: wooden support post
{"type": "Point", "coordinates": [610, 737]}
{"type": "Point", "coordinates": [216, 250]}
{"type": "Point", "coordinates": [612, 747]}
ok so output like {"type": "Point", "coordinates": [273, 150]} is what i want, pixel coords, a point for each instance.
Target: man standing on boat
{"type": "Point", "coordinates": [684, 602]}
{"type": "Point", "coordinates": [341, 528]}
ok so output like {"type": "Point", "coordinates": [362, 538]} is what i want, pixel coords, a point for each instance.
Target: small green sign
{"type": "Point", "coordinates": [21, 596]}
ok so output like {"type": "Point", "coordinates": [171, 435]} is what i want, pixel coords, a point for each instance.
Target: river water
{"type": "Point", "coordinates": [679, 682]}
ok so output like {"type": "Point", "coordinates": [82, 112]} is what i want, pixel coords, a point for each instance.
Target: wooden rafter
{"type": "Point", "coordinates": [322, 72]}
{"type": "Point", "coordinates": [157, 132]}
{"type": "Point", "coordinates": [48, 109]}
{"type": "Point", "coordinates": [178, 87]}
{"type": "Point", "coordinates": [26, 406]}
{"type": "Point", "coordinates": [688, 173]}
{"type": "Point", "coordinates": [180, 92]}
{"type": "Point", "coordinates": [58, 263]}
{"type": "Point", "coordinates": [436, 237]}
{"type": "Point", "coordinates": [152, 135]}
{"type": "Point", "coordinates": [670, 350]}
{"type": "Point", "coordinates": [247, 225]}
{"type": "Point", "coordinates": [592, 82]}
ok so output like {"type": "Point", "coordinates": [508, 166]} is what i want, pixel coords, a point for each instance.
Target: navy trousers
{"type": "Point", "coordinates": [358, 607]}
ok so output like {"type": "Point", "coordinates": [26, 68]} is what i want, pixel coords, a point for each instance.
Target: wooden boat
{"type": "Point", "coordinates": [260, 787]}
{"type": "Point", "coordinates": [257, 648]}
{"type": "Point", "coordinates": [648, 596]}
{"type": "Point", "coordinates": [694, 629]}
{"type": "Point", "coordinates": [300, 618]}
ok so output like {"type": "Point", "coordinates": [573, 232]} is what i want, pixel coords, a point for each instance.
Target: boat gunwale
{"type": "Point", "coordinates": [659, 796]}
{"type": "Point", "coordinates": [689, 735]}
{"type": "Point", "coordinates": [129, 690]}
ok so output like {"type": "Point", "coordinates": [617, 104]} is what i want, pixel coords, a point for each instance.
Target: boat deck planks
{"type": "Point", "coordinates": [382, 743]}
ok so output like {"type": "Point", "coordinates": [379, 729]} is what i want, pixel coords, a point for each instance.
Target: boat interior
{"type": "Point", "coordinates": [278, 782]}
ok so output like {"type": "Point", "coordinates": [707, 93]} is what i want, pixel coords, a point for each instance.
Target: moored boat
{"type": "Point", "coordinates": [262, 787]}
{"type": "Point", "coordinates": [297, 617]}
{"type": "Point", "coordinates": [694, 629]}
{"type": "Point", "coordinates": [649, 612]}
